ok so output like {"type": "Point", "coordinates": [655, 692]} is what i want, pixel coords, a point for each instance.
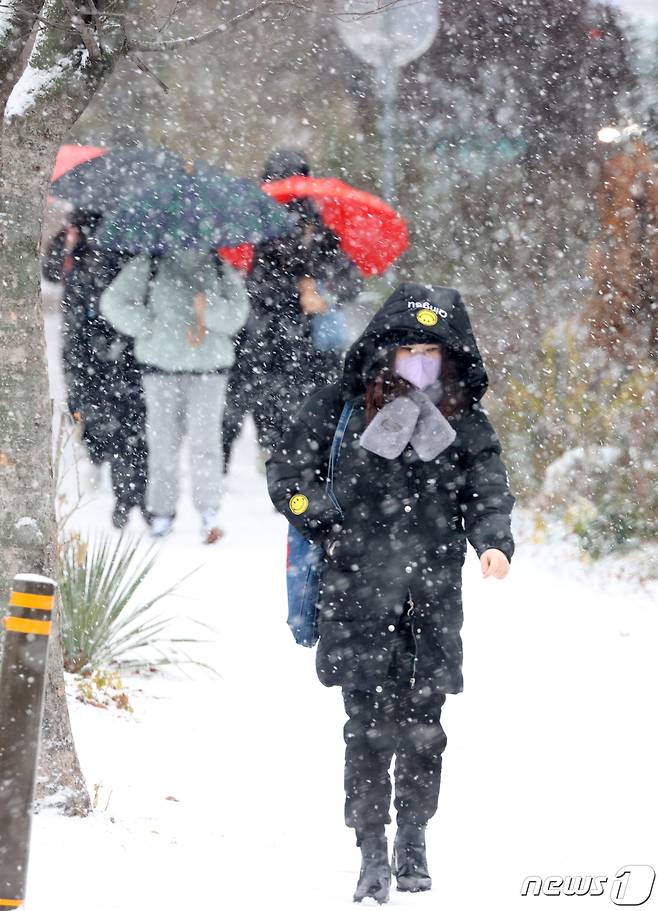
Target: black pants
{"type": "Point", "coordinates": [402, 721]}
{"type": "Point", "coordinates": [271, 384]}
{"type": "Point", "coordinates": [128, 467]}
{"type": "Point", "coordinates": [241, 399]}
{"type": "Point", "coordinates": [120, 440]}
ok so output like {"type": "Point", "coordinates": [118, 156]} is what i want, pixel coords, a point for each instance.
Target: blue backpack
{"type": "Point", "coordinates": [304, 559]}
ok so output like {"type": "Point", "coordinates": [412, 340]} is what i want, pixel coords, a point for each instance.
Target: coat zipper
{"type": "Point", "coordinates": [410, 614]}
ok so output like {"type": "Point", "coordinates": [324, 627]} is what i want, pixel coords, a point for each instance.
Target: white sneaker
{"type": "Point", "coordinates": [211, 530]}
{"type": "Point", "coordinates": [161, 526]}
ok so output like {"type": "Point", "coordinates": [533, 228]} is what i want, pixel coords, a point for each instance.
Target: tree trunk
{"type": "Point", "coordinates": [60, 79]}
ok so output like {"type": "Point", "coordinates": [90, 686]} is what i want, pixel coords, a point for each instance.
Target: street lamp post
{"type": "Point", "coordinates": [387, 36]}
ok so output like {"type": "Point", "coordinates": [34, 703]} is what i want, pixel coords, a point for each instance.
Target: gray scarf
{"type": "Point", "coordinates": [410, 419]}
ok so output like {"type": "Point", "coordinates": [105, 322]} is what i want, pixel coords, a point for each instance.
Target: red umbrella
{"type": "Point", "coordinates": [69, 156]}
{"type": "Point", "coordinates": [371, 233]}
{"type": "Point", "coordinates": [241, 257]}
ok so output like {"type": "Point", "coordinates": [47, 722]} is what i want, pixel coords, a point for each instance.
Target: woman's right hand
{"type": "Point", "coordinates": [494, 563]}
{"type": "Point", "coordinates": [309, 299]}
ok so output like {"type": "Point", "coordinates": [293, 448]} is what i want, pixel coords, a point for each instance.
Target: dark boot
{"type": "Point", "coordinates": [410, 859]}
{"type": "Point", "coordinates": [375, 876]}
{"type": "Point", "coordinates": [120, 515]}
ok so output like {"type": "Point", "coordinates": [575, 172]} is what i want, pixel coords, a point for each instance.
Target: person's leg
{"type": "Point", "coordinates": [164, 405]}
{"type": "Point", "coordinates": [420, 743]}
{"type": "Point", "coordinates": [369, 744]}
{"type": "Point", "coordinates": [268, 403]}
{"type": "Point", "coordinates": [129, 455]}
{"type": "Point", "coordinates": [139, 452]}
{"type": "Point", "coordinates": [279, 382]}
{"type": "Point", "coordinates": [234, 413]}
{"type": "Point", "coordinates": [205, 405]}
{"type": "Point", "coordinates": [95, 443]}
{"type": "Point", "coordinates": [121, 482]}
{"type": "Point", "coordinates": [239, 392]}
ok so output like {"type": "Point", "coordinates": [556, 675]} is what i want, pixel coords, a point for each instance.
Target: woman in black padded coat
{"type": "Point", "coordinates": [419, 473]}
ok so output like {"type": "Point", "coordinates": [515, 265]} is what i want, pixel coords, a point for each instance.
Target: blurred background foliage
{"type": "Point", "coordinates": [549, 232]}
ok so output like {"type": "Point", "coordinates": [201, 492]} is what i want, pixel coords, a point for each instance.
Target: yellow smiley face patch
{"type": "Point", "coordinates": [298, 504]}
{"type": "Point", "coordinates": [427, 317]}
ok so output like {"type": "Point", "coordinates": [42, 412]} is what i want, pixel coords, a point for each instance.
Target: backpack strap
{"type": "Point", "coordinates": [339, 434]}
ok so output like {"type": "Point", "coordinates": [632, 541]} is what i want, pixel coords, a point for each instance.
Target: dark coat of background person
{"type": "Point", "coordinates": [277, 364]}
{"type": "Point", "coordinates": [405, 522]}
{"type": "Point", "coordinates": [103, 380]}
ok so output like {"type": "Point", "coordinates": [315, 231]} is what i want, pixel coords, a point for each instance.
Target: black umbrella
{"type": "Point", "coordinates": [154, 201]}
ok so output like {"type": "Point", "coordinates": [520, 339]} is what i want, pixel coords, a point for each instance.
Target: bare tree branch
{"type": "Point", "coordinates": [178, 43]}
{"type": "Point", "coordinates": [88, 39]}
{"type": "Point", "coordinates": [172, 12]}
{"type": "Point", "coordinates": [146, 69]}
{"type": "Point", "coordinates": [381, 7]}
{"type": "Point", "coordinates": [94, 48]}
{"type": "Point", "coordinates": [59, 26]}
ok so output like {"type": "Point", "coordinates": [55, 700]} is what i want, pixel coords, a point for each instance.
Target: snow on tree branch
{"type": "Point", "coordinates": [16, 20]}
{"type": "Point", "coordinates": [70, 58]}
{"type": "Point", "coordinates": [32, 84]}
{"type": "Point", "coordinates": [7, 11]}
{"type": "Point", "coordinates": [36, 80]}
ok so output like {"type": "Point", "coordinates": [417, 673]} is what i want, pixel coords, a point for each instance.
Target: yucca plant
{"type": "Point", "coordinates": [103, 620]}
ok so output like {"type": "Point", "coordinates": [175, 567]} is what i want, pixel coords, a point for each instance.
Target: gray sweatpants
{"type": "Point", "coordinates": [176, 403]}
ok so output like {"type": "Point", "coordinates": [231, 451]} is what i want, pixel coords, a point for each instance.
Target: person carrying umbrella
{"type": "Point", "coordinates": [419, 471]}
{"type": "Point", "coordinates": [104, 383]}
{"type": "Point", "coordinates": [175, 299]}
{"type": "Point", "coordinates": [182, 309]}
{"type": "Point", "coordinates": [291, 282]}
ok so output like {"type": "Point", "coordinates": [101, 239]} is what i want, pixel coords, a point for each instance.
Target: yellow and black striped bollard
{"type": "Point", "coordinates": [22, 683]}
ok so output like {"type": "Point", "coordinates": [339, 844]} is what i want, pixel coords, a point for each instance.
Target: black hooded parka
{"type": "Point", "coordinates": [104, 381]}
{"type": "Point", "coordinates": [401, 537]}
{"type": "Point", "coordinates": [277, 362]}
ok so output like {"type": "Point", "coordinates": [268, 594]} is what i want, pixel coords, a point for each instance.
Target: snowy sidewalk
{"type": "Point", "coordinates": [550, 767]}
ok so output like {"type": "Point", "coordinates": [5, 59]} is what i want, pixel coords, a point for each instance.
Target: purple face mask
{"type": "Point", "coordinates": [421, 370]}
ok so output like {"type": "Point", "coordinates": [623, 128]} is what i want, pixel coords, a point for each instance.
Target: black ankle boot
{"type": "Point", "coordinates": [120, 515]}
{"type": "Point", "coordinates": [410, 859]}
{"type": "Point", "coordinates": [375, 876]}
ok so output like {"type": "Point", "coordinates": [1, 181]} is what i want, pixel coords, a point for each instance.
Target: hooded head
{"type": "Point", "coordinates": [417, 314]}
{"type": "Point", "coordinates": [285, 163]}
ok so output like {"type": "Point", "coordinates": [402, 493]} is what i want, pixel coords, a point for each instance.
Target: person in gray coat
{"type": "Point", "coordinates": [183, 310]}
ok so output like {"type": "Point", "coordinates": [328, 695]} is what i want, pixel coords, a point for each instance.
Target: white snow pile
{"type": "Point", "coordinates": [575, 462]}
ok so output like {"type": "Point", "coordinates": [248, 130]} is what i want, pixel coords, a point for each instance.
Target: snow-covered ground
{"type": "Point", "coordinates": [226, 792]}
